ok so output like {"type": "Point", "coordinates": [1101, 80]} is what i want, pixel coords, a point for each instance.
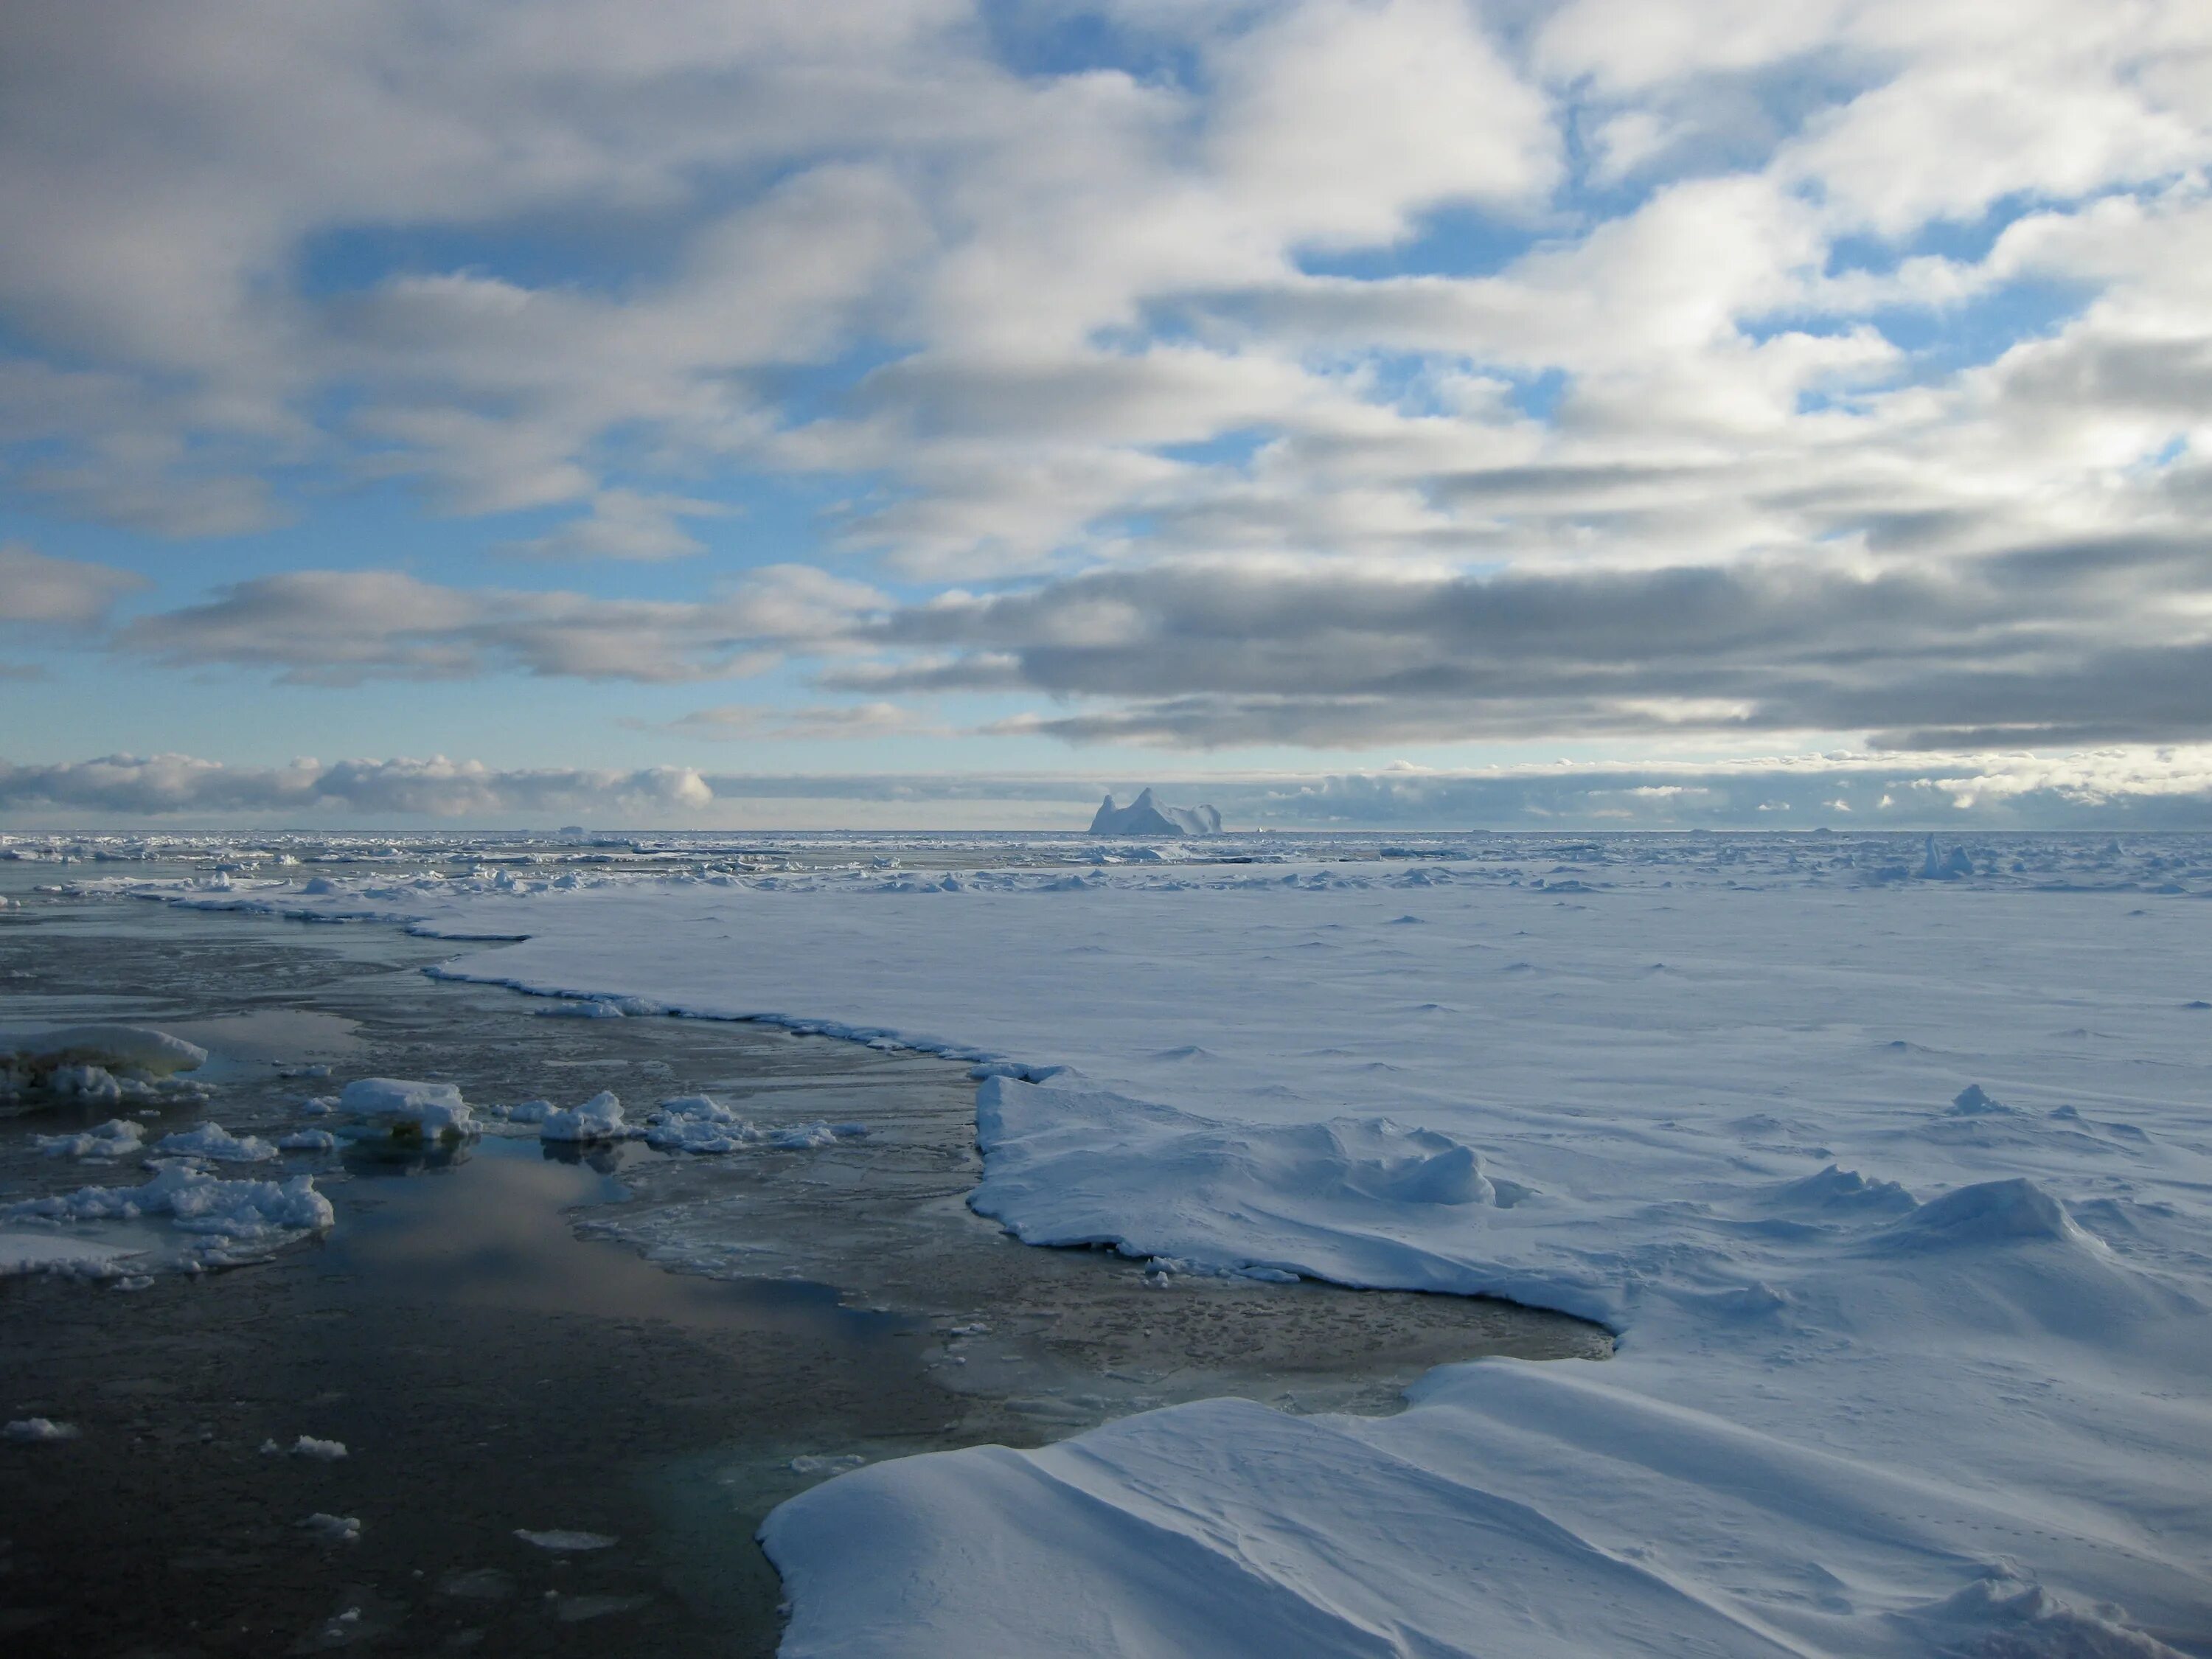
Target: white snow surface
{"type": "Point", "coordinates": [1896, 1191]}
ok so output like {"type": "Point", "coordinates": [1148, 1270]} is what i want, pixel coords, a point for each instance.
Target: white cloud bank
{"type": "Point", "coordinates": [2140, 788]}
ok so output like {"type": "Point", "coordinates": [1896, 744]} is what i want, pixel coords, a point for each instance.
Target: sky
{"type": "Point", "coordinates": [933, 412]}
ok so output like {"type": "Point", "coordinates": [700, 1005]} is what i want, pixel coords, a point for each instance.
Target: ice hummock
{"type": "Point", "coordinates": [1146, 816]}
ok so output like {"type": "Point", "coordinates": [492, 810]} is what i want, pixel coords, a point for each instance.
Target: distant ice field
{"type": "Point", "coordinates": [1890, 1162]}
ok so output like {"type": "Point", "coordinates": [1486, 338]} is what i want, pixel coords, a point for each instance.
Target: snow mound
{"type": "Point", "coordinates": [1973, 1100]}
{"type": "Point", "coordinates": [1836, 1189]}
{"type": "Point", "coordinates": [1146, 816]}
{"type": "Point", "coordinates": [599, 1118]}
{"type": "Point", "coordinates": [435, 1110]}
{"type": "Point", "coordinates": [1988, 1212]}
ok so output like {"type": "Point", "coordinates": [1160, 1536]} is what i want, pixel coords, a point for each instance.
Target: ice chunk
{"type": "Point", "coordinates": [113, 1047]}
{"type": "Point", "coordinates": [38, 1431]}
{"type": "Point", "coordinates": [562, 1539]}
{"type": "Point", "coordinates": [117, 1137]}
{"type": "Point", "coordinates": [194, 1200]}
{"type": "Point", "coordinates": [50, 1253]}
{"type": "Point", "coordinates": [322, 1452]}
{"type": "Point", "coordinates": [333, 1529]}
{"type": "Point", "coordinates": [599, 1118]}
{"type": "Point", "coordinates": [309, 1140]}
{"type": "Point", "coordinates": [435, 1110]}
{"type": "Point", "coordinates": [212, 1141]}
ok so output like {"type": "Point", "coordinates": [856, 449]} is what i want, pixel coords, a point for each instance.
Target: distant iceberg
{"type": "Point", "coordinates": [1146, 816]}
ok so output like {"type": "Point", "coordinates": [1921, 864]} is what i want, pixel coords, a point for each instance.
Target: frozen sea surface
{"type": "Point", "coordinates": [1889, 1162]}
{"type": "Point", "coordinates": [492, 1376]}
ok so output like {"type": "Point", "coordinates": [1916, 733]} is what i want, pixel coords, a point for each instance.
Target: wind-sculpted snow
{"type": "Point", "coordinates": [1895, 1185]}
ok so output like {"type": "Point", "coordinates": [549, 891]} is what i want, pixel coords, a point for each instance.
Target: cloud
{"type": "Point", "coordinates": [733, 722]}
{"type": "Point", "coordinates": [340, 627]}
{"type": "Point", "coordinates": [152, 785]}
{"type": "Point", "coordinates": [2065, 643]}
{"type": "Point", "coordinates": [37, 592]}
{"type": "Point", "coordinates": [2101, 789]}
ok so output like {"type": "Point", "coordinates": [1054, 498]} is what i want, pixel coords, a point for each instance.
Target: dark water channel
{"type": "Point", "coordinates": [499, 1339]}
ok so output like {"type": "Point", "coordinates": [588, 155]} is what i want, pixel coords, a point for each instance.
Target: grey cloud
{"type": "Point", "coordinates": [339, 627]}
{"type": "Point", "coordinates": [736, 722]}
{"type": "Point", "coordinates": [37, 590]}
{"type": "Point", "coordinates": [2044, 643]}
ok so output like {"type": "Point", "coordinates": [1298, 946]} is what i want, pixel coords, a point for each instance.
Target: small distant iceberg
{"type": "Point", "coordinates": [1146, 816]}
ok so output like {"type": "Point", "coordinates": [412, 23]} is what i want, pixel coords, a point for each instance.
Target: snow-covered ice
{"type": "Point", "coordinates": [118, 1138]}
{"type": "Point", "coordinates": [307, 1446]}
{"type": "Point", "coordinates": [564, 1541]}
{"type": "Point", "coordinates": [599, 1118]}
{"type": "Point", "coordinates": [27, 1252]}
{"type": "Point", "coordinates": [38, 1431]}
{"type": "Point", "coordinates": [434, 1110]}
{"type": "Point", "coordinates": [1895, 1190]}
{"type": "Point", "coordinates": [219, 1213]}
{"type": "Point", "coordinates": [212, 1141]}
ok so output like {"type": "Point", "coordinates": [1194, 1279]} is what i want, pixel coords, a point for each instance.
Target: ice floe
{"type": "Point", "coordinates": [435, 1111]}
{"type": "Point", "coordinates": [37, 1431]}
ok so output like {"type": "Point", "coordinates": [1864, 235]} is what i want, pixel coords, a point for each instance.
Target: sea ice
{"type": "Point", "coordinates": [564, 1540]}
{"type": "Point", "coordinates": [118, 1138]}
{"type": "Point", "coordinates": [599, 1118]}
{"type": "Point", "coordinates": [1896, 1373]}
{"type": "Point", "coordinates": [434, 1110]}
{"type": "Point", "coordinates": [38, 1431]}
{"type": "Point", "coordinates": [214, 1142]}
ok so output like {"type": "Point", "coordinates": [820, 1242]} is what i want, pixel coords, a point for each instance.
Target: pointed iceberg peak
{"type": "Point", "coordinates": [1146, 816]}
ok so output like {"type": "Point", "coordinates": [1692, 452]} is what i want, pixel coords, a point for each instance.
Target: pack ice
{"type": "Point", "coordinates": [1895, 1191]}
